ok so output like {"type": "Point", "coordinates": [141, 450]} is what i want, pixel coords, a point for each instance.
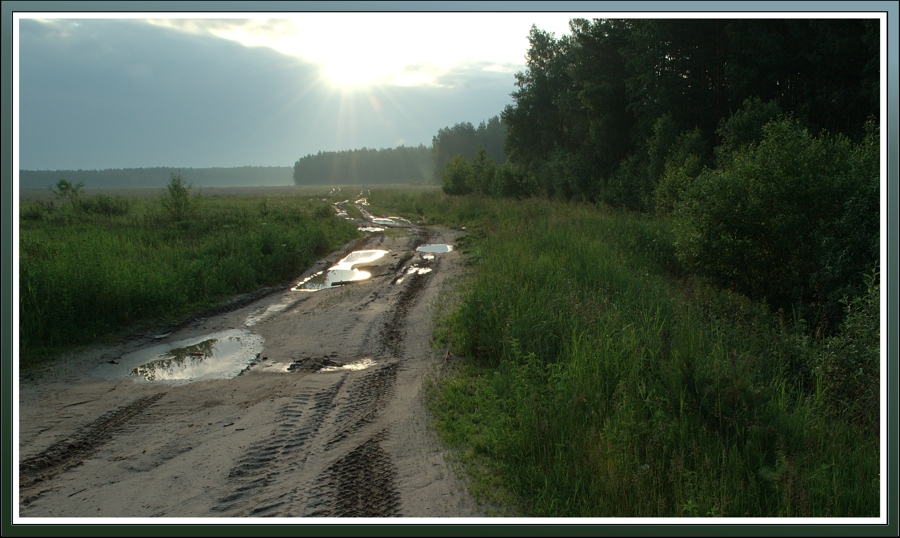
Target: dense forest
{"type": "Point", "coordinates": [464, 139]}
{"type": "Point", "coordinates": [158, 177]}
{"type": "Point", "coordinates": [758, 138]}
{"type": "Point", "coordinates": [366, 167]}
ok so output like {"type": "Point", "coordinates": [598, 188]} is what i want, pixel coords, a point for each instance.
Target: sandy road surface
{"type": "Point", "coordinates": [325, 419]}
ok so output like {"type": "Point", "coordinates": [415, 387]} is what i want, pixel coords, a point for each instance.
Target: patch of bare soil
{"type": "Point", "coordinates": [327, 420]}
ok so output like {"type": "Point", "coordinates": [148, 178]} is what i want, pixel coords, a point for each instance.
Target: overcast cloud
{"type": "Point", "coordinates": [120, 93]}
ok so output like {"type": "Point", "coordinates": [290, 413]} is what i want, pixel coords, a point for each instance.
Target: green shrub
{"type": "Point", "coordinates": [483, 172]}
{"type": "Point", "coordinates": [850, 362]}
{"type": "Point", "coordinates": [778, 222]}
{"type": "Point", "coordinates": [176, 201]}
{"type": "Point", "coordinates": [108, 206]}
{"type": "Point", "coordinates": [683, 165]}
{"type": "Point", "coordinates": [457, 176]}
{"type": "Point", "coordinates": [36, 210]}
{"type": "Point", "coordinates": [744, 127]}
{"type": "Point", "coordinates": [68, 192]}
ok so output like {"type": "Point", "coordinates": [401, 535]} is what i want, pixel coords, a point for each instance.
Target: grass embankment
{"type": "Point", "coordinates": [97, 265]}
{"type": "Point", "coordinates": [600, 381]}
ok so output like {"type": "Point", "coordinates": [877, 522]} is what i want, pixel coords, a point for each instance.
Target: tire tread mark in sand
{"type": "Point", "coordinates": [392, 333]}
{"type": "Point", "coordinates": [366, 397]}
{"type": "Point", "coordinates": [261, 464]}
{"type": "Point", "coordinates": [71, 452]}
{"type": "Point", "coordinates": [361, 484]}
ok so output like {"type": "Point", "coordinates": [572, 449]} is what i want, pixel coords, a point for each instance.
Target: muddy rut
{"type": "Point", "coordinates": [314, 411]}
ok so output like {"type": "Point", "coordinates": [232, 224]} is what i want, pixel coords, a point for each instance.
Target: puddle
{"type": "Point", "coordinates": [343, 272]}
{"type": "Point", "coordinates": [362, 201]}
{"type": "Point", "coordinates": [220, 355]}
{"type": "Point", "coordinates": [416, 270]}
{"type": "Point", "coordinates": [413, 270]}
{"type": "Point", "coordinates": [370, 229]}
{"type": "Point", "coordinates": [391, 221]}
{"type": "Point", "coordinates": [358, 365]}
{"type": "Point", "coordinates": [435, 248]}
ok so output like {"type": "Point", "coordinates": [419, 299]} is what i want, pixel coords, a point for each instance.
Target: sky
{"type": "Point", "coordinates": [257, 89]}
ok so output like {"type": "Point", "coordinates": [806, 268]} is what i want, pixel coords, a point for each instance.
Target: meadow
{"type": "Point", "coordinates": [100, 265]}
{"type": "Point", "coordinates": [595, 377]}
{"type": "Point", "coordinates": [599, 379]}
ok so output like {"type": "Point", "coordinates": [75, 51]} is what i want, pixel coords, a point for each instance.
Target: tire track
{"type": "Point", "coordinates": [392, 333]}
{"type": "Point", "coordinates": [366, 397]}
{"type": "Point", "coordinates": [361, 484]}
{"type": "Point", "coordinates": [71, 452]}
{"type": "Point", "coordinates": [264, 461]}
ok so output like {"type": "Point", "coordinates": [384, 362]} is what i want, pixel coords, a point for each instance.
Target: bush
{"type": "Point", "coordinates": [456, 178]}
{"type": "Point", "coordinates": [778, 221]}
{"type": "Point", "coordinates": [683, 165]}
{"type": "Point", "coordinates": [37, 210]}
{"type": "Point", "coordinates": [176, 202]}
{"type": "Point", "coordinates": [745, 126]}
{"type": "Point", "coordinates": [483, 173]}
{"type": "Point", "coordinates": [102, 204]}
{"type": "Point", "coordinates": [65, 190]}
{"type": "Point", "coordinates": [510, 183]}
{"type": "Point", "coordinates": [849, 365]}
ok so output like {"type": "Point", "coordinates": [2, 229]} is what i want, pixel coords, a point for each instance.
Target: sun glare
{"type": "Point", "coordinates": [348, 70]}
{"type": "Point", "coordinates": [402, 49]}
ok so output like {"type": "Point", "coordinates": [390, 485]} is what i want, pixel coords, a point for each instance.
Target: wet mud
{"type": "Point", "coordinates": [317, 414]}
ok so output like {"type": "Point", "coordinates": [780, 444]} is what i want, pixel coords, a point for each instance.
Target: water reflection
{"type": "Point", "coordinates": [414, 270]}
{"type": "Point", "coordinates": [220, 355]}
{"type": "Point", "coordinates": [178, 362]}
{"type": "Point", "coordinates": [391, 221]}
{"type": "Point", "coordinates": [435, 248]}
{"type": "Point", "coordinates": [343, 272]}
{"type": "Point", "coordinates": [358, 365]}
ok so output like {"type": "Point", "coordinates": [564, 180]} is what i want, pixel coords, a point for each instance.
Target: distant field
{"type": "Point", "coordinates": [307, 190]}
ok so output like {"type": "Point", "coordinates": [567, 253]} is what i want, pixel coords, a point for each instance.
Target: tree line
{"type": "Point", "coordinates": [464, 139]}
{"type": "Point", "coordinates": [403, 164]}
{"type": "Point", "coordinates": [158, 177]}
{"type": "Point", "coordinates": [757, 136]}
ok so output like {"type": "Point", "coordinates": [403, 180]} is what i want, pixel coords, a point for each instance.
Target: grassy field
{"type": "Point", "coordinates": [597, 377]}
{"type": "Point", "coordinates": [107, 263]}
{"type": "Point", "coordinates": [599, 380]}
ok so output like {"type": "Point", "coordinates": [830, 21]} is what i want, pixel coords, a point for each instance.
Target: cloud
{"type": "Point", "coordinates": [124, 93]}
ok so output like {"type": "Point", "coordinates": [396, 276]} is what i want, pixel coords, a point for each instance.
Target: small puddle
{"type": "Point", "coordinates": [413, 270]}
{"type": "Point", "coordinates": [362, 201]}
{"type": "Point", "coordinates": [372, 229]}
{"type": "Point", "coordinates": [391, 221]}
{"type": "Point", "coordinates": [358, 365]}
{"type": "Point", "coordinates": [343, 272]}
{"type": "Point", "coordinates": [435, 248]}
{"type": "Point", "coordinates": [220, 355]}
{"type": "Point", "coordinates": [339, 211]}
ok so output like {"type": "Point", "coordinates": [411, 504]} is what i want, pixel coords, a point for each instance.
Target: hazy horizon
{"type": "Point", "coordinates": [100, 94]}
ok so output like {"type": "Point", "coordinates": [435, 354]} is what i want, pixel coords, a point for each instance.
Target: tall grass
{"type": "Point", "coordinates": [600, 381]}
{"type": "Point", "coordinates": [92, 270]}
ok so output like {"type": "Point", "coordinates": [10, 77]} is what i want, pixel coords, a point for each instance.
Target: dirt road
{"type": "Point", "coordinates": [305, 403]}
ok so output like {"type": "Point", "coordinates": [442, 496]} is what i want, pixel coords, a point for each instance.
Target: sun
{"type": "Point", "coordinates": [347, 72]}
